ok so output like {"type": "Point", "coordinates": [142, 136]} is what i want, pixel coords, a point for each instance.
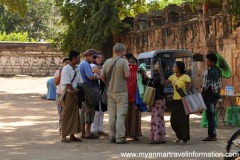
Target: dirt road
{"type": "Point", "coordinates": [29, 130]}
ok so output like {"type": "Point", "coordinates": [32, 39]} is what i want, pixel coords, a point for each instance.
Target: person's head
{"type": "Point", "coordinates": [156, 67]}
{"type": "Point", "coordinates": [65, 61]}
{"type": "Point", "coordinates": [99, 59]}
{"type": "Point", "coordinates": [89, 55]}
{"type": "Point", "coordinates": [133, 60]}
{"type": "Point", "coordinates": [179, 67]}
{"type": "Point", "coordinates": [74, 57]}
{"type": "Point", "coordinates": [211, 59]}
{"type": "Point", "coordinates": [119, 49]}
{"type": "Point", "coordinates": [127, 56]}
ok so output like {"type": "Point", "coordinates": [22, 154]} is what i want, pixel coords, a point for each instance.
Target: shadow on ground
{"type": "Point", "coordinates": [29, 130]}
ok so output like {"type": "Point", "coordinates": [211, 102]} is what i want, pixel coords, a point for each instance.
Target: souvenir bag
{"type": "Point", "coordinates": [149, 95]}
{"type": "Point", "coordinates": [192, 102]}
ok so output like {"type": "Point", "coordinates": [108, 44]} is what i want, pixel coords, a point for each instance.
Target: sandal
{"type": "Point", "coordinates": [75, 139]}
{"type": "Point", "coordinates": [136, 139]}
{"type": "Point", "coordinates": [154, 142]}
{"type": "Point", "coordinates": [65, 140]}
{"type": "Point", "coordinates": [102, 133]}
{"type": "Point", "coordinates": [92, 136]}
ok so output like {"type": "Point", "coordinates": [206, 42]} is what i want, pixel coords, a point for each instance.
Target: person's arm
{"type": "Point", "coordinates": [188, 82]}
{"type": "Point", "coordinates": [168, 81]}
{"type": "Point", "coordinates": [126, 70]}
{"type": "Point", "coordinates": [188, 85]}
{"type": "Point", "coordinates": [103, 74]}
{"type": "Point", "coordinates": [57, 77]}
{"type": "Point", "coordinates": [89, 74]}
{"type": "Point", "coordinates": [96, 70]}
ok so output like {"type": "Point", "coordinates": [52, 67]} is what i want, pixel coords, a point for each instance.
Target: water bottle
{"type": "Point", "coordinates": [230, 90]}
{"type": "Point", "coordinates": [226, 90]}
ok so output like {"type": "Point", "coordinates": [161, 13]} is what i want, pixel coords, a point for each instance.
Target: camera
{"type": "Point", "coordinates": [140, 70]}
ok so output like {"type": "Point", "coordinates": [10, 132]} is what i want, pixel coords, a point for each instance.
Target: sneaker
{"type": "Point", "coordinates": [214, 138]}
{"type": "Point", "coordinates": [113, 140]}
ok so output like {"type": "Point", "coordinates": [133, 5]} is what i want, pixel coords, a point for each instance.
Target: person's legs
{"type": "Point", "coordinates": [112, 110]}
{"type": "Point", "coordinates": [211, 106]}
{"type": "Point", "coordinates": [95, 124]}
{"type": "Point", "coordinates": [154, 136]}
{"type": "Point", "coordinates": [82, 116]}
{"type": "Point", "coordinates": [88, 129]}
{"type": "Point", "coordinates": [122, 109]}
{"type": "Point", "coordinates": [60, 110]}
{"type": "Point", "coordinates": [174, 118]}
{"type": "Point", "coordinates": [100, 121]}
{"type": "Point", "coordinates": [162, 121]}
{"type": "Point", "coordinates": [89, 118]}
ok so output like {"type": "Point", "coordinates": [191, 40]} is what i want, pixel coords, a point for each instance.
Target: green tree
{"type": "Point", "coordinates": [90, 24]}
{"type": "Point", "coordinates": [18, 6]}
{"type": "Point", "coordinates": [41, 20]}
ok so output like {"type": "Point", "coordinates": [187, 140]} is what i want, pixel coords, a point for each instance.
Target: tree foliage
{"type": "Point", "coordinates": [15, 37]}
{"type": "Point", "coordinates": [92, 23]}
{"type": "Point", "coordinates": [18, 6]}
{"type": "Point", "coordinates": [41, 20]}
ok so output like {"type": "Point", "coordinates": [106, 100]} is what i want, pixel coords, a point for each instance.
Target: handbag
{"type": "Point", "coordinates": [192, 102]}
{"type": "Point", "coordinates": [65, 90]}
{"type": "Point", "coordinates": [93, 94]}
{"type": "Point", "coordinates": [149, 95]}
{"type": "Point", "coordinates": [108, 78]}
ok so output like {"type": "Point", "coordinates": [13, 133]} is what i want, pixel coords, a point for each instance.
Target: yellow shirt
{"type": "Point", "coordinates": [180, 82]}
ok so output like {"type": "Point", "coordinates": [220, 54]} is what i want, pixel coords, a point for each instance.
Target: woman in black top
{"type": "Point", "coordinates": [157, 132]}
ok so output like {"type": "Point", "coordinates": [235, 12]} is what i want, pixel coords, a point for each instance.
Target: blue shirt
{"type": "Point", "coordinates": [86, 72]}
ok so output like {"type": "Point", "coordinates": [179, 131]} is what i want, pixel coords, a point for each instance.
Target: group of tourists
{"type": "Point", "coordinates": [120, 75]}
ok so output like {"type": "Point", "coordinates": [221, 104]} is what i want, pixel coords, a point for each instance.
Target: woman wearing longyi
{"type": "Point", "coordinates": [179, 120]}
{"type": "Point", "coordinates": [157, 131]}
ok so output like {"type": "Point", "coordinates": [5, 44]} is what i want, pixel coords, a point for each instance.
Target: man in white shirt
{"type": "Point", "coordinates": [69, 80]}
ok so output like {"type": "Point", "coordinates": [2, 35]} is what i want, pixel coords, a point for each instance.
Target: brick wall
{"type": "Point", "coordinates": [34, 59]}
{"type": "Point", "coordinates": [185, 30]}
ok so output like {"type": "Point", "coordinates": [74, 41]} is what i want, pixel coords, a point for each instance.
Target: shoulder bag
{"type": "Point", "coordinates": [104, 94]}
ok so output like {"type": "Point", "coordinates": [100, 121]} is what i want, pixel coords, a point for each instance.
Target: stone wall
{"type": "Point", "coordinates": [34, 59]}
{"type": "Point", "coordinates": [178, 28]}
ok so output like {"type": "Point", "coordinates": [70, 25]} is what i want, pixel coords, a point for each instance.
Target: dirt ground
{"type": "Point", "coordinates": [29, 130]}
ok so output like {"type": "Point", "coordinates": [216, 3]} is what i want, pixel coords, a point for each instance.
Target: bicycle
{"type": "Point", "coordinates": [233, 146]}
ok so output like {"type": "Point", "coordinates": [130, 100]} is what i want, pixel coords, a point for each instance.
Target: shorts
{"type": "Point", "coordinates": [87, 113]}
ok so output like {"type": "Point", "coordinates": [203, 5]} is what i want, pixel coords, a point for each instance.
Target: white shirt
{"type": "Point", "coordinates": [67, 76]}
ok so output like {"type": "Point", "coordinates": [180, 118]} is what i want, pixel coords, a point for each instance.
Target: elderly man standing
{"type": "Point", "coordinates": [69, 79]}
{"type": "Point", "coordinates": [87, 111]}
{"type": "Point", "coordinates": [117, 93]}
